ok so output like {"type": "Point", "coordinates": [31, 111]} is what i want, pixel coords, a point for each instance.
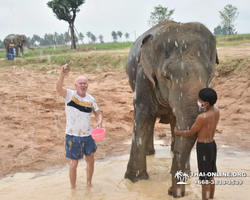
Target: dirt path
{"type": "Point", "coordinates": [33, 120]}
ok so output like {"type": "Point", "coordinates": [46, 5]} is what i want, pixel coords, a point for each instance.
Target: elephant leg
{"type": "Point", "coordinates": [7, 48]}
{"type": "Point", "coordinates": [137, 168]}
{"type": "Point", "coordinates": [180, 162]}
{"type": "Point", "coordinates": [21, 50]}
{"type": "Point", "coordinates": [172, 126]}
{"type": "Point", "coordinates": [16, 49]}
{"type": "Point", "coordinates": [150, 146]}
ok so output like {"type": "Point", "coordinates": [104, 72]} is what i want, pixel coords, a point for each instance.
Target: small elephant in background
{"type": "Point", "coordinates": [18, 40]}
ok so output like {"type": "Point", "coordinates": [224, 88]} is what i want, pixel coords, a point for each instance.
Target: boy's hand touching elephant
{"type": "Point", "coordinates": [176, 132]}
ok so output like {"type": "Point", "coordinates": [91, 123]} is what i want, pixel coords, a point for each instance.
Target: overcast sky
{"type": "Point", "coordinates": [101, 17]}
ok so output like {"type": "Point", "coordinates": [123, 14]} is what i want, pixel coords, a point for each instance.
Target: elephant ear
{"type": "Point", "coordinates": [217, 58]}
{"type": "Point", "coordinates": [145, 58]}
{"type": "Point", "coordinates": [19, 39]}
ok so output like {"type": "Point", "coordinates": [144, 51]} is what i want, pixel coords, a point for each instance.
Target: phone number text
{"type": "Point", "coordinates": [219, 182]}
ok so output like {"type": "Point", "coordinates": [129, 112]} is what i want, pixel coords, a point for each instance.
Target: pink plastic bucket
{"type": "Point", "coordinates": [98, 133]}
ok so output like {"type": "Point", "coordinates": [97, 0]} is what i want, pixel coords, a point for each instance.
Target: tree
{"type": "Point", "coordinates": [29, 40]}
{"type": "Point", "coordinates": [81, 36]}
{"type": "Point", "coordinates": [89, 34]}
{"type": "Point", "coordinates": [93, 38]}
{"type": "Point", "coordinates": [60, 39]}
{"type": "Point", "coordinates": [66, 10]}
{"type": "Point", "coordinates": [55, 36]}
{"type": "Point", "coordinates": [160, 14]}
{"type": "Point", "coordinates": [101, 38]}
{"type": "Point", "coordinates": [47, 40]}
{"type": "Point", "coordinates": [1, 44]}
{"type": "Point", "coordinates": [35, 40]}
{"type": "Point", "coordinates": [127, 35]}
{"type": "Point", "coordinates": [220, 31]}
{"type": "Point", "coordinates": [119, 33]}
{"type": "Point", "coordinates": [66, 37]}
{"type": "Point", "coordinates": [76, 39]}
{"type": "Point", "coordinates": [228, 15]}
{"type": "Point", "coordinates": [114, 36]}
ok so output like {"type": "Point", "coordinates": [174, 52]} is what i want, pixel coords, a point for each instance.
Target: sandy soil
{"type": "Point", "coordinates": [32, 117]}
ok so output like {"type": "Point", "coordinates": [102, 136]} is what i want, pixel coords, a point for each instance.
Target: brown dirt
{"type": "Point", "coordinates": [33, 119]}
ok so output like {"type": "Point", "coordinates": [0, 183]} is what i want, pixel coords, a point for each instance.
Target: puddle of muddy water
{"type": "Point", "coordinates": [108, 181]}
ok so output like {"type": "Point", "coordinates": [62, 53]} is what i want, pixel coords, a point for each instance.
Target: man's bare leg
{"type": "Point", "coordinates": [72, 172]}
{"type": "Point", "coordinates": [90, 160]}
{"type": "Point", "coordinates": [212, 188]}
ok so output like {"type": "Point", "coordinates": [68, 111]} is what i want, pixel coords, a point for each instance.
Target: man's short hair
{"type": "Point", "coordinates": [208, 95]}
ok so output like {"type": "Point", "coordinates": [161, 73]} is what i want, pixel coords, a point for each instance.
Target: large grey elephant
{"type": "Point", "coordinates": [18, 40]}
{"type": "Point", "coordinates": [166, 68]}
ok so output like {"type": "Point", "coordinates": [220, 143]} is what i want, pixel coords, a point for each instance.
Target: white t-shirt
{"type": "Point", "coordinates": [78, 111]}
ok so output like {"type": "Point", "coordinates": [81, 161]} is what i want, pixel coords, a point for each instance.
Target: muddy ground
{"type": "Point", "coordinates": [32, 117]}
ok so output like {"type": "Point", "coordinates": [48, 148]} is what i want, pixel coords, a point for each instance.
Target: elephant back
{"type": "Point", "coordinates": [9, 39]}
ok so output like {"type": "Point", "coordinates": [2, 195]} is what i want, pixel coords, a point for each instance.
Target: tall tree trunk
{"type": "Point", "coordinates": [72, 32]}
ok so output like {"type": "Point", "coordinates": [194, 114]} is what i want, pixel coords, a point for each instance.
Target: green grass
{"type": "Point", "coordinates": [232, 43]}
{"type": "Point", "coordinates": [232, 40]}
{"type": "Point", "coordinates": [59, 50]}
{"type": "Point", "coordinates": [44, 59]}
{"type": "Point", "coordinates": [109, 46]}
{"type": "Point", "coordinates": [232, 36]}
{"type": "Point", "coordinates": [41, 51]}
{"type": "Point", "coordinates": [81, 61]}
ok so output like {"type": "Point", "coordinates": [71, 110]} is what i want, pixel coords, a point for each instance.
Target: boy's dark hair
{"type": "Point", "coordinates": [208, 95]}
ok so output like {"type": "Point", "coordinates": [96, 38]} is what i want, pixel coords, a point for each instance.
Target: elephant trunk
{"type": "Point", "coordinates": [185, 118]}
{"type": "Point", "coordinates": [30, 48]}
{"type": "Point", "coordinates": [182, 147]}
{"type": "Point", "coordinates": [27, 45]}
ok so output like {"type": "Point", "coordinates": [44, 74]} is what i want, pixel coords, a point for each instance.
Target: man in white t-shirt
{"type": "Point", "coordinates": [78, 107]}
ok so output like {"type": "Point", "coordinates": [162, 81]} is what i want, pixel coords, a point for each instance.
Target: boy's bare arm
{"type": "Point", "coordinates": [194, 129]}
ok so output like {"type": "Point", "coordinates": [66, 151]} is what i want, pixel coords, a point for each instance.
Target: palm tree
{"type": "Point", "coordinates": [185, 176]}
{"type": "Point", "coordinates": [66, 37]}
{"type": "Point", "coordinates": [101, 38]}
{"type": "Point", "coordinates": [89, 34]}
{"type": "Point", "coordinates": [1, 44]}
{"type": "Point", "coordinates": [178, 174]}
{"type": "Point", "coordinates": [120, 34]}
{"type": "Point", "coordinates": [114, 36]}
{"type": "Point", "coordinates": [93, 38]}
{"type": "Point", "coordinates": [127, 35]}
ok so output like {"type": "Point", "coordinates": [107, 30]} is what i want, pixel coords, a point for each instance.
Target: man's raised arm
{"type": "Point", "coordinates": [59, 84]}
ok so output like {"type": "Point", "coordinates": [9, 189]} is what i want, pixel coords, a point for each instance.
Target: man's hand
{"type": "Point", "coordinates": [99, 125]}
{"type": "Point", "coordinates": [65, 69]}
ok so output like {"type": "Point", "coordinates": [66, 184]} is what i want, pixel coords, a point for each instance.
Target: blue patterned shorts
{"type": "Point", "coordinates": [77, 147]}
